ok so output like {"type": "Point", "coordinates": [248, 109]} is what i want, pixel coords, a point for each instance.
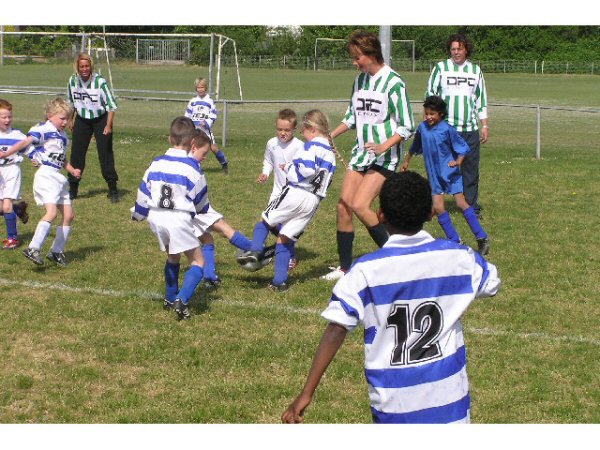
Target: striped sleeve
{"type": "Point", "coordinates": [109, 100]}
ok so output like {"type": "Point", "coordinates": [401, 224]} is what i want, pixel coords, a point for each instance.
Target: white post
{"type": "Point", "coordinates": [1, 45]}
{"type": "Point", "coordinates": [385, 37]}
{"type": "Point", "coordinates": [538, 133]}
{"type": "Point", "coordinates": [210, 62]}
{"type": "Point", "coordinates": [224, 137]}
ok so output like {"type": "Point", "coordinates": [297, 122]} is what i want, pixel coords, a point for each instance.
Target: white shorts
{"type": "Point", "coordinates": [10, 181]}
{"type": "Point", "coordinates": [173, 229]}
{"type": "Point", "coordinates": [50, 186]}
{"type": "Point", "coordinates": [202, 222]}
{"type": "Point", "coordinates": [294, 208]}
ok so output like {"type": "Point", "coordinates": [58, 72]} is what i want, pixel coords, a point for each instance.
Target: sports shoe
{"type": "Point", "coordinates": [114, 196]}
{"type": "Point", "coordinates": [167, 305]}
{"type": "Point", "coordinates": [33, 255]}
{"type": "Point", "coordinates": [57, 257]}
{"type": "Point", "coordinates": [212, 284]}
{"type": "Point", "coordinates": [10, 243]}
{"type": "Point", "coordinates": [335, 274]}
{"type": "Point", "coordinates": [182, 311]}
{"type": "Point", "coordinates": [483, 246]}
{"type": "Point", "coordinates": [278, 287]}
{"type": "Point", "coordinates": [21, 211]}
{"type": "Point", "coordinates": [225, 168]}
{"type": "Point", "coordinates": [249, 257]}
{"type": "Point", "coordinates": [293, 264]}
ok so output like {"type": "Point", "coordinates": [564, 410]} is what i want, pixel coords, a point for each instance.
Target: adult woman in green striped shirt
{"type": "Point", "coordinates": [380, 112]}
{"type": "Point", "coordinates": [94, 109]}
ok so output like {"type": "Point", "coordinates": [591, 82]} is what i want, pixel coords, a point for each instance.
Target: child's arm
{"type": "Point", "coordinates": [17, 147]}
{"type": "Point", "coordinates": [456, 162]}
{"type": "Point", "coordinates": [267, 166]}
{"type": "Point", "coordinates": [378, 149]}
{"type": "Point", "coordinates": [332, 340]}
{"type": "Point", "coordinates": [406, 162]}
{"type": "Point", "coordinates": [72, 170]}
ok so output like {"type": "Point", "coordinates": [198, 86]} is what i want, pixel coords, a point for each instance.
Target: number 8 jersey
{"type": "Point", "coordinates": [410, 296]}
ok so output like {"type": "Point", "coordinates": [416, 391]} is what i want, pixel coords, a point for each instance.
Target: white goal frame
{"type": "Point", "coordinates": [339, 39]}
{"type": "Point", "coordinates": [89, 43]}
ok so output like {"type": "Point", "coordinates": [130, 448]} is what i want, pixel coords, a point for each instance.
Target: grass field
{"type": "Point", "coordinates": [90, 343]}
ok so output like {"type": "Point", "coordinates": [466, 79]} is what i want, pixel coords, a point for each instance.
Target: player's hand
{"type": "Point", "coordinates": [452, 163]}
{"type": "Point", "coordinates": [262, 178]}
{"type": "Point", "coordinates": [107, 130]}
{"type": "Point", "coordinates": [404, 166]}
{"type": "Point", "coordinates": [76, 173]}
{"type": "Point", "coordinates": [282, 166]}
{"type": "Point", "coordinates": [483, 137]}
{"type": "Point", "coordinates": [375, 149]}
{"type": "Point", "coordinates": [295, 412]}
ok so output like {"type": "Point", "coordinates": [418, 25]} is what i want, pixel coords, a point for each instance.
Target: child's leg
{"type": "Point", "coordinates": [261, 231]}
{"type": "Point", "coordinates": [218, 154]}
{"type": "Point", "coordinates": [10, 217]}
{"type": "Point", "coordinates": [63, 230]}
{"type": "Point", "coordinates": [235, 238]}
{"type": "Point", "coordinates": [208, 252]}
{"type": "Point", "coordinates": [444, 218]}
{"type": "Point", "coordinates": [470, 216]}
{"type": "Point", "coordinates": [193, 276]}
{"type": "Point", "coordinates": [275, 231]}
{"type": "Point", "coordinates": [43, 227]}
{"type": "Point", "coordinates": [171, 279]}
{"type": "Point", "coordinates": [283, 250]}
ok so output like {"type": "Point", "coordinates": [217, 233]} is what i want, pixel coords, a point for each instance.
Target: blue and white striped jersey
{"type": "Point", "coordinates": [7, 140]}
{"type": "Point", "coordinates": [410, 296]}
{"type": "Point", "coordinates": [48, 146]}
{"type": "Point", "coordinates": [202, 109]}
{"type": "Point", "coordinates": [173, 181]}
{"type": "Point", "coordinates": [313, 167]}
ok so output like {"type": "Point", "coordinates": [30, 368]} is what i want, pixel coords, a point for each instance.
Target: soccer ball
{"type": "Point", "coordinates": [252, 266]}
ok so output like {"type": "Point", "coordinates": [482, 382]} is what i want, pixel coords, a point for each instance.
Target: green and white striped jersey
{"type": "Point", "coordinates": [90, 99]}
{"type": "Point", "coordinates": [379, 107]}
{"type": "Point", "coordinates": [463, 89]}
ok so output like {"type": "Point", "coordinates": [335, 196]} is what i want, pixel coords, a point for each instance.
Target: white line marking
{"type": "Point", "coordinates": [284, 308]}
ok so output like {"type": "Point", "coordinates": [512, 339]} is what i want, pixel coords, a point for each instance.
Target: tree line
{"type": "Point", "coordinates": [551, 43]}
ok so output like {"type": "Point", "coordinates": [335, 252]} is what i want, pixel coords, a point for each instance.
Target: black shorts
{"type": "Point", "coordinates": [382, 170]}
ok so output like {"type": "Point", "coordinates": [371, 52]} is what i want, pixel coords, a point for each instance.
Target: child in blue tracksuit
{"type": "Point", "coordinates": [443, 151]}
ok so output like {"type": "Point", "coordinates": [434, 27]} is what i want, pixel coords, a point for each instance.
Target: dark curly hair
{"type": "Point", "coordinates": [461, 39]}
{"type": "Point", "coordinates": [405, 201]}
{"type": "Point", "coordinates": [437, 104]}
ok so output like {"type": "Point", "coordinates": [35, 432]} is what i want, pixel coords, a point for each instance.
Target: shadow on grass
{"type": "Point", "coordinates": [101, 192]}
{"type": "Point", "coordinates": [82, 253]}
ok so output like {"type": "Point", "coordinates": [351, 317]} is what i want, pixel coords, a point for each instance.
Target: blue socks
{"type": "Point", "coordinates": [191, 280]}
{"type": "Point", "coordinates": [171, 281]}
{"type": "Point", "coordinates": [240, 241]}
{"type": "Point", "coordinates": [282, 261]}
{"type": "Point", "coordinates": [446, 224]}
{"type": "Point", "coordinates": [11, 224]}
{"type": "Point", "coordinates": [221, 157]}
{"type": "Point", "coordinates": [474, 224]}
{"type": "Point", "coordinates": [210, 271]}
{"type": "Point", "coordinates": [261, 231]}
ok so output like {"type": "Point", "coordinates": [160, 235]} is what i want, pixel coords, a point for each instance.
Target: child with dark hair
{"type": "Point", "coordinates": [443, 150]}
{"type": "Point", "coordinates": [409, 296]}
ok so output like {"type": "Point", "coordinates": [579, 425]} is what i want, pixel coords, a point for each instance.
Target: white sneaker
{"type": "Point", "coordinates": [335, 274]}
{"type": "Point", "coordinates": [293, 264]}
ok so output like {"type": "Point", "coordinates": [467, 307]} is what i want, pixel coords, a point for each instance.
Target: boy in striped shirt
{"type": "Point", "coordinates": [415, 359]}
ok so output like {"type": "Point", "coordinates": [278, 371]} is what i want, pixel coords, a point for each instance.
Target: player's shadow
{"type": "Point", "coordinates": [82, 253]}
{"type": "Point", "coordinates": [202, 298]}
{"type": "Point", "coordinates": [101, 192]}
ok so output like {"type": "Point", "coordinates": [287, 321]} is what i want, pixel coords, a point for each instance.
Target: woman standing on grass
{"type": "Point", "coordinates": [380, 112]}
{"type": "Point", "coordinates": [94, 109]}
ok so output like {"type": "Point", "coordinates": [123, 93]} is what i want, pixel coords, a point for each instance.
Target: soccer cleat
{"type": "Point", "coordinates": [293, 264]}
{"type": "Point", "coordinates": [57, 257]}
{"type": "Point", "coordinates": [212, 284]}
{"type": "Point", "coordinates": [278, 287]}
{"type": "Point", "coordinates": [483, 246]}
{"type": "Point", "coordinates": [248, 257]}
{"type": "Point", "coordinates": [182, 311]}
{"type": "Point", "coordinates": [335, 274]}
{"type": "Point", "coordinates": [21, 211]}
{"type": "Point", "coordinates": [167, 304]}
{"type": "Point", "coordinates": [10, 243]}
{"type": "Point", "coordinates": [33, 255]}
{"type": "Point", "coordinates": [225, 168]}
{"type": "Point", "coordinates": [114, 196]}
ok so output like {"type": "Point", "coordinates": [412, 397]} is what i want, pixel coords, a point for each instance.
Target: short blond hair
{"type": "Point", "coordinates": [80, 57]}
{"type": "Point", "coordinates": [56, 106]}
{"type": "Point", "coordinates": [200, 80]}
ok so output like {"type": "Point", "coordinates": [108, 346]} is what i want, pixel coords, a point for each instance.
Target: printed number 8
{"type": "Point", "coordinates": [166, 194]}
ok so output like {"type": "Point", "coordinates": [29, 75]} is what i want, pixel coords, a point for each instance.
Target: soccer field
{"type": "Point", "coordinates": [90, 343]}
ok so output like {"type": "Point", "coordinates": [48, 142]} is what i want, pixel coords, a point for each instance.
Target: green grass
{"type": "Point", "coordinates": [90, 343]}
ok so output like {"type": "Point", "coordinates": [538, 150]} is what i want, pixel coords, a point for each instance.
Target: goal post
{"type": "Point", "coordinates": [331, 53]}
{"type": "Point", "coordinates": [107, 48]}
